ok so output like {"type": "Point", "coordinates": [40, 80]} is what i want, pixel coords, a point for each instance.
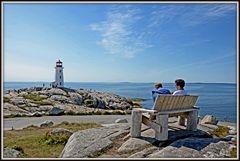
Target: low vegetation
{"type": "Point", "coordinates": [34, 142]}
{"type": "Point", "coordinates": [89, 102]}
{"type": "Point", "coordinates": [136, 105]}
{"type": "Point", "coordinates": [233, 153]}
{"type": "Point", "coordinates": [14, 115]}
{"type": "Point", "coordinates": [33, 97]}
{"type": "Point", "coordinates": [96, 113]}
{"type": "Point", "coordinates": [220, 132]}
{"type": "Point", "coordinates": [42, 102]}
{"type": "Point", "coordinates": [6, 99]}
{"type": "Point", "coordinates": [136, 99]}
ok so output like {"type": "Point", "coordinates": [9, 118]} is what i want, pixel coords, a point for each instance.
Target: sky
{"type": "Point", "coordinates": [128, 42]}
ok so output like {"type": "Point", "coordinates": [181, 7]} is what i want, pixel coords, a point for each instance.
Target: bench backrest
{"type": "Point", "coordinates": [174, 102]}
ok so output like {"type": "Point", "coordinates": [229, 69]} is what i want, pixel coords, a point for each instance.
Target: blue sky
{"type": "Point", "coordinates": [121, 42]}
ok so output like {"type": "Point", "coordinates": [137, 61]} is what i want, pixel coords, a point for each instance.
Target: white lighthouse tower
{"type": "Point", "coordinates": [59, 82]}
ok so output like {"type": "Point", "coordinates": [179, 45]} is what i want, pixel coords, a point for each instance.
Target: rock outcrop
{"type": "Point", "coordinates": [209, 119]}
{"type": "Point", "coordinates": [26, 102]}
{"type": "Point", "coordinates": [46, 123]}
{"type": "Point", "coordinates": [10, 153]}
{"type": "Point", "coordinates": [88, 143]}
{"type": "Point", "coordinates": [109, 142]}
{"type": "Point", "coordinates": [121, 121]}
{"type": "Point", "coordinates": [195, 148]}
{"type": "Point", "coordinates": [60, 131]}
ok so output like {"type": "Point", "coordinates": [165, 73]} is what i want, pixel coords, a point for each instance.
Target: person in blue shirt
{"type": "Point", "coordinates": [159, 90]}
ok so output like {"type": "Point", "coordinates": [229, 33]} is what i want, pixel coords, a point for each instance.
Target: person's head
{"type": "Point", "coordinates": [180, 83]}
{"type": "Point", "coordinates": [158, 85]}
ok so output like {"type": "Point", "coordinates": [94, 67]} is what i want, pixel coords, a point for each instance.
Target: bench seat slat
{"type": "Point", "coordinates": [165, 105]}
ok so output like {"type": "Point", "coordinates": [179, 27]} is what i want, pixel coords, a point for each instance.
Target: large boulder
{"type": "Point", "coordinates": [76, 98]}
{"type": "Point", "coordinates": [37, 114]}
{"type": "Point", "coordinates": [121, 121]}
{"type": "Point", "coordinates": [61, 131]}
{"type": "Point", "coordinates": [232, 132]}
{"type": "Point", "coordinates": [133, 144]}
{"type": "Point", "coordinates": [144, 153]}
{"type": "Point", "coordinates": [9, 109]}
{"type": "Point", "coordinates": [101, 104]}
{"type": "Point", "coordinates": [59, 98]}
{"type": "Point", "coordinates": [10, 153]}
{"type": "Point", "coordinates": [56, 91]}
{"type": "Point", "coordinates": [195, 148]}
{"type": "Point", "coordinates": [46, 123]}
{"type": "Point", "coordinates": [209, 119]}
{"type": "Point", "coordinates": [55, 111]}
{"type": "Point", "coordinates": [109, 100]}
{"type": "Point", "coordinates": [45, 107]}
{"type": "Point", "coordinates": [88, 143]}
{"type": "Point", "coordinates": [18, 101]}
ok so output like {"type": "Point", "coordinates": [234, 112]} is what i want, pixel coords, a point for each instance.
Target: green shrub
{"type": "Point", "coordinates": [233, 153]}
{"type": "Point", "coordinates": [34, 97]}
{"type": "Point", "coordinates": [31, 127]}
{"type": "Point", "coordinates": [64, 123]}
{"type": "Point", "coordinates": [51, 139]}
{"type": "Point", "coordinates": [220, 132]}
{"type": "Point", "coordinates": [18, 148]}
{"type": "Point", "coordinates": [42, 102]}
{"type": "Point", "coordinates": [118, 113]}
{"type": "Point", "coordinates": [15, 115]}
{"type": "Point", "coordinates": [136, 99]}
{"type": "Point", "coordinates": [89, 102]}
{"type": "Point", "coordinates": [107, 113]}
{"type": "Point", "coordinates": [6, 99]}
{"type": "Point", "coordinates": [70, 113]}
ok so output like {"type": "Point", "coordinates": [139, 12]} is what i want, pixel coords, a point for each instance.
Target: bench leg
{"type": "Point", "coordinates": [192, 120]}
{"type": "Point", "coordinates": [162, 120]}
{"type": "Point", "coordinates": [181, 120]}
{"type": "Point", "coordinates": [136, 123]}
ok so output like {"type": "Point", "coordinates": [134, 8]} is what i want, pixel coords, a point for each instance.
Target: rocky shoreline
{"type": "Point", "coordinates": [38, 101]}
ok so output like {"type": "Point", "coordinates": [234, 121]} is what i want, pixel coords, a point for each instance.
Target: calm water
{"type": "Point", "coordinates": [218, 99]}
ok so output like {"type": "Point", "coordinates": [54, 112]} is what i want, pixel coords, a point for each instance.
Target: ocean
{"type": "Point", "coordinates": [218, 99]}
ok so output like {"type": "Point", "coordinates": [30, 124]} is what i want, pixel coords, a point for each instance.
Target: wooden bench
{"type": "Point", "coordinates": [165, 106]}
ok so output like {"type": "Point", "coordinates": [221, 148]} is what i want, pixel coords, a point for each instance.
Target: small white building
{"type": "Point", "coordinates": [59, 81]}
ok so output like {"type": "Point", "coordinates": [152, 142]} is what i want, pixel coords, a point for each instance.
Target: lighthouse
{"type": "Point", "coordinates": [59, 82]}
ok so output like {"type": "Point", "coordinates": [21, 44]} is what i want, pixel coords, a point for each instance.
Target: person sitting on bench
{"type": "Point", "coordinates": [180, 83]}
{"type": "Point", "coordinates": [159, 90]}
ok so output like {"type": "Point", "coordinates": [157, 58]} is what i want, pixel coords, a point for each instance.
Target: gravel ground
{"type": "Point", "coordinates": [21, 122]}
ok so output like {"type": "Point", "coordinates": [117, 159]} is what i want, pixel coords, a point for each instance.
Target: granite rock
{"type": "Point", "coordinates": [88, 143]}
{"type": "Point", "coordinates": [10, 153]}
{"type": "Point", "coordinates": [209, 119]}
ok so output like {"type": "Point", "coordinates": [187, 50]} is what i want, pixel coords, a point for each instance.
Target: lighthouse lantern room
{"type": "Point", "coordinates": [59, 82]}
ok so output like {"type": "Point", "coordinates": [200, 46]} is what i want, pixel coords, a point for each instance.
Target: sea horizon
{"type": "Point", "coordinates": [117, 82]}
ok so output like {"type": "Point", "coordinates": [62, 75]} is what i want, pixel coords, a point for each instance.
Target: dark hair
{"type": "Point", "coordinates": [180, 82]}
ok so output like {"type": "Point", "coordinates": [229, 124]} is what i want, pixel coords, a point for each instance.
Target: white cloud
{"type": "Point", "coordinates": [188, 15]}
{"type": "Point", "coordinates": [118, 34]}
{"type": "Point", "coordinates": [219, 10]}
